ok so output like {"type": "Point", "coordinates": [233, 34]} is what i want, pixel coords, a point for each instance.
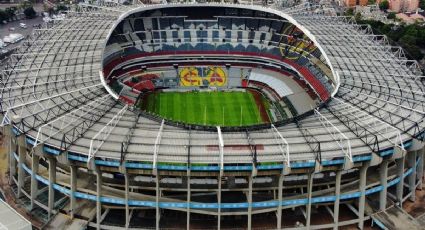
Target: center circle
{"type": "Point", "coordinates": [227, 66]}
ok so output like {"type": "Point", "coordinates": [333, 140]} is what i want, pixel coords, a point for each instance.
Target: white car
{"type": "Point", "coordinates": [13, 38]}
{"type": "Point", "coordinates": [47, 19]}
{"type": "Point", "coordinates": [23, 25]}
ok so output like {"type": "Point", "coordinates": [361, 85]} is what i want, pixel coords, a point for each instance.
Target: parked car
{"type": "Point", "coordinates": [11, 28]}
{"type": "Point", "coordinates": [47, 19]}
{"type": "Point", "coordinates": [13, 38]}
{"type": "Point", "coordinates": [23, 25]}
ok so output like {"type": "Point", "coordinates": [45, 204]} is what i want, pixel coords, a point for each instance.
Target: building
{"type": "Point", "coordinates": [404, 5]}
{"type": "Point", "coordinates": [83, 154]}
{"type": "Point", "coordinates": [410, 18]}
{"type": "Point", "coordinates": [352, 3]}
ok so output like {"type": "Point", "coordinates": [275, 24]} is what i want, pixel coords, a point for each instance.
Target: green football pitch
{"type": "Point", "coordinates": [208, 108]}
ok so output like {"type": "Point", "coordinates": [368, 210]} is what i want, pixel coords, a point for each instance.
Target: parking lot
{"type": "Point", "coordinates": [4, 28]}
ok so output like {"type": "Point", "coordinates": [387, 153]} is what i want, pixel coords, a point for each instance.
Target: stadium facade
{"type": "Point", "coordinates": [78, 146]}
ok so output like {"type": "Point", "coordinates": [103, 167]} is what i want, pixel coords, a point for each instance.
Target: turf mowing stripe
{"type": "Point", "coordinates": [215, 105]}
{"type": "Point", "coordinates": [178, 106]}
{"type": "Point", "coordinates": [194, 107]}
{"type": "Point", "coordinates": [254, 111]}
{"type": "Point", "coordinates": [238, 104]}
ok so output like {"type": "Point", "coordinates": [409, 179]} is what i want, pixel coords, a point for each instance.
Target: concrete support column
{"type": "Point", "coordinates": [219, 203]}
{"type": "Point", "coordinates": [337, 198]}
{"type": "Point", "coordinates": [383, 175]}
{"type": "Point", "coordinates": [309, 195]}
{"type": "Point", "coordinates": [420, 171]}
{"type": "Point", "coordinates": [362, 190]}
{"type": "Point", "coordinates": [73, 190]}
{"type": "Point", "coordinates": [411, 162]}
{"type": "Point", "coordinates": [400, 185]}
{"type": "Point", "coordinates": [250, 202]}
{"type": "Point", "coordinates": [280, 197]}
{"type": "Point", "coordinates": [52, 181]}
{"type": "Point", "coordinates": [11, 139]}
{"type": "Point", "coordinates": [12, 166]}
{"type": "Point", "coordinates": [22, 151]}
{"type": "Point", "coordinates": [127, 194]}
{"type": "Point", "coordinates": [158, 195]}
{"type": "Point", "coordinates": [99, 194]}
{"type": "Point", "coordinates": [188, 201]}
{"type": "Point", "coordinates": [34, 182]}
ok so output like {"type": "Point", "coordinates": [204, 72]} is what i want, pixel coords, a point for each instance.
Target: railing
{"type": "Point", "coordinates": [54, 127]}
{"type": "Point", "coordinates": [283, 146]}
{"type": "Point", "coordinates": [313, 143]}
{"type": "Point", "coordinates": [340, 138]}
{"type": "Point", "coordinates": [126, 142]}
{"type": "Point", "coordinates": [221, 148]}
{"type": "Point", "coordinates": [253, 148]}
{"type": "Point", "coordinates": [362, 116]}
{"type": "Point", "coordinates": [156, 147]}
{"type": "Point", "coordinates": [101, 136]}
{"type": "Point", "coordinates": [33, 107]}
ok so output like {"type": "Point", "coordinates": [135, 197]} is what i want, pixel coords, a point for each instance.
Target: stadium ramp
{"type": "Point", "coordinates": [395, 218]}
{"type": "Point", "coordinates": [10, 219]}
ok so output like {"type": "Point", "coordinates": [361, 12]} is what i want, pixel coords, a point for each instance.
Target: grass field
{"type": "Point", "coordinates": [207, 108]}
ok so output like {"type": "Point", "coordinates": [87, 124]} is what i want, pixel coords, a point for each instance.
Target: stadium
{"type": "Point", "coordinates": [210, 115]}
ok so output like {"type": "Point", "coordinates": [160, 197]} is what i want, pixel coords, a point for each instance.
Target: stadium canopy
{"type": "Point", "coordinates": [52, 92]}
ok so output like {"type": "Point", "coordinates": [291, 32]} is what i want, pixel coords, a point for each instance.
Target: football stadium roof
{"type": "Point", "coordinates": [51, 91]}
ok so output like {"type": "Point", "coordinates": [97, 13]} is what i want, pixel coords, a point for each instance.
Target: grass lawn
{"type": "Point", "coordinates": [205, 108]}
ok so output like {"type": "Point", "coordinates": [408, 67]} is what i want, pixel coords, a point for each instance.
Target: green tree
{"type": "Point", "coordinates": [30, 12]}
{"type": "Point", "coordinates": [349, 12]}
{"type": "Point", "coordinates": [422, 4]}
{"type": "Point", "coordinates": [25, 4]}
{"type": "Point", "coordinates": [61, 7]}
{"type": "Point", "coordinates": [414, 52]}
{"type": "Point", "coordinates": [421, 38]}
{"type": "Point", "coordinates": [3, 16]}
{"type": "Point", "coordinates": [371, 2]}
{"type": "Point", "coordinates": [11, 12]}
{"type": "Point", "coordinates": [384, 5]}
{"type": "Point", "coordinates": [358, 16]}
{"type": "Point", "coordinates": [408, 40]}
{"type": "Point", "coordinates": [386, 29]}
{"type": "Point", "coordinates": [391, 15]}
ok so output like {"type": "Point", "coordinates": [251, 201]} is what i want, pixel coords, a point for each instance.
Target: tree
{"type": "Point", "coordinates": [371, 2]}
{"type": "Point", "coordinates": [30, 12]}
{"type": "Point", "coordinates": [4, 16]}
{"type": "Point", "coordinates": [391, 15]}
{"type": "Point", "coordinates": [25, 4]}
{"type": "Point", "coordinates": [349, 12]}
{"type": "Point", "coordinates": [386, 29]}
{"type": "Point", "coordinates": [11, 12]}
{"type": "Point", "coordinates": [422, 4]}
{"type": "Point", "coordinates": [384, 5]}
{"type": "Point", "coordinates": [61, 7]}
{"type": "Point", "coordinates": [358, 16]}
